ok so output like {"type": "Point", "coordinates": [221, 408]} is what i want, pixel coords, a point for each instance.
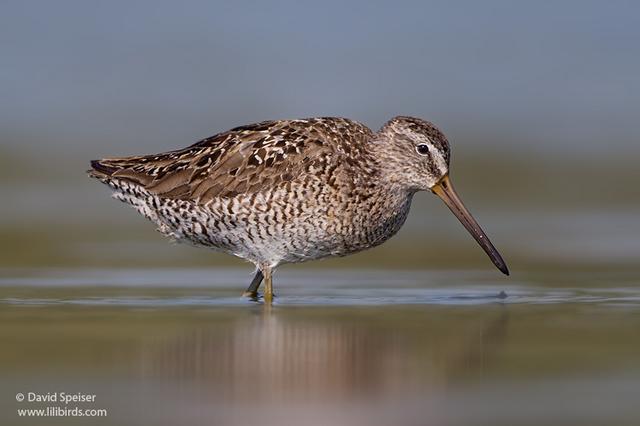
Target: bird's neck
{"type": "Point", "coordinates": [386, 164]}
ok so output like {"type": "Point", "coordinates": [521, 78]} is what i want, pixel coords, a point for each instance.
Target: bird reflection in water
{"type": "Point", "coordinates": [281, 354]}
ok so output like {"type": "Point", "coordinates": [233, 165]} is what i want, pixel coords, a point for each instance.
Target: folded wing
{"type": "Point", "coordinates": [243, 160]}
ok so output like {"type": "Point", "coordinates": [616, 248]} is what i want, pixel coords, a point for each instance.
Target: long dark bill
{"type": "Point", "coordinates": [445, 190]}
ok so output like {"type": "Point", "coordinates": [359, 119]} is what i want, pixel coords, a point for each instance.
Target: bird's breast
{"type": "Point", "coordinates": [307, 222]}
{"type": "Point", "coordinates": [340, 223]}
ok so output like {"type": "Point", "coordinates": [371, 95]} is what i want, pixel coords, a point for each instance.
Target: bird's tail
{"type": "Point", "coordinates": [99, 169]}
{"type": "Point", "coordinates": [118, 169]}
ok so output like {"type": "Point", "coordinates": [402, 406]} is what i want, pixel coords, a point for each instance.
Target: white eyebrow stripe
{"type": "Point", "coordinates": [437, 156]}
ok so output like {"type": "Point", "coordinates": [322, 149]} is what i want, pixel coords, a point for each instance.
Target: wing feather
{"type": "Point", "coordinates": [246, 159]}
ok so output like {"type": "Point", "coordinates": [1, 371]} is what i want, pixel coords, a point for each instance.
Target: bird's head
{"type": "Point", "coordinates": [415, 152]}
{"type": "Point", "coordinates": [415, 155]}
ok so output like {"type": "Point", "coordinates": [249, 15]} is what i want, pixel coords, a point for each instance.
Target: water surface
{"type": "Point", "coordinates": [338, 347]}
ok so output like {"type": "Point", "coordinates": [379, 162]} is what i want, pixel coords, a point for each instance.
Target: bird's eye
{"type": "Point", "coordinates": [422, 149]}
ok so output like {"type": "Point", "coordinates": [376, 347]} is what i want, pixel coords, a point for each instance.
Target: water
{"type": "Point", "coordinates": [338, 347]}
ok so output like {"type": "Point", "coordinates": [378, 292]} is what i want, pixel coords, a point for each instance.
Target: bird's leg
{"type": "Point", "coordinates": [268, 287]}
{"type": "Point", "coordinates": [252, 290]}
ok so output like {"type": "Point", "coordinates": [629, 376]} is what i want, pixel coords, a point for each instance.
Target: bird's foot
{"type": "Point", "coordinates": [268, 297]}
{"type": "Point", "coordinates": [253, 295]}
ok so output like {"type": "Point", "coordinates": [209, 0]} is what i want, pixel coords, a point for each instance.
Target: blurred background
{"type": "Point", "coordinates": [539, 100]}
{"type": "Point", "coordinates": [541, 103]}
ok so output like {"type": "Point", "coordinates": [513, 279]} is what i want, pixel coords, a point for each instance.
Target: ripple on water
{"type": "Point", "coordinates": [451, 296]}
{"type": "Point", "coordinates": [221, 287]}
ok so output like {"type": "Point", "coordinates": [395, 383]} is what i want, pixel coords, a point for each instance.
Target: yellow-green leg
{"type": "Point", "coordinates": [268, 285]}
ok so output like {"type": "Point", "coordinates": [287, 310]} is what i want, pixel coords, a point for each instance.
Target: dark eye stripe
{"type": "Point", "coordinates": [422, 149]}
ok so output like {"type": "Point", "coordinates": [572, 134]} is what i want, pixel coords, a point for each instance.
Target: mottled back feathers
{"type": "Point", "coordinates": [243, 160]}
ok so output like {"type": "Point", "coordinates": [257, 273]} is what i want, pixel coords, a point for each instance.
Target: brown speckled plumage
{"type": "Point", "coordinates": [284, 191]}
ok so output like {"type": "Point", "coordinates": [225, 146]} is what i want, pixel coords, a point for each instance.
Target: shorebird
{"type": "Point", "coordinates": [290, 191]}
